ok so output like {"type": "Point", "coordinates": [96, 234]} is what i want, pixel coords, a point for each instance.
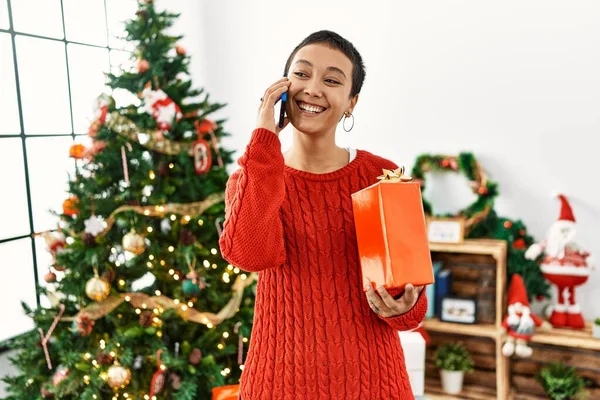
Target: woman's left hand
{"type": "Point", "coordinates": [385, 305]}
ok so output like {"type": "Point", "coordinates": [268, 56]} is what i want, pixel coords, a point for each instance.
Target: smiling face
{"type": "Point", "coordinates": [319, 94]}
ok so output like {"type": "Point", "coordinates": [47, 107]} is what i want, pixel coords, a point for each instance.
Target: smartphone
{"type": "Point", "coordinates": [283, 105]}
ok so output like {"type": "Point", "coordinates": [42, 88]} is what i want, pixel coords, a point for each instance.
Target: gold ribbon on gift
{"type": "Point", "coordinates": [192, 209]}
{"type": "Point", "coordinates": [98, 310]}
{"type": "Point", "coordinates": [396, 175]}
{"type": "Point", "coordinates": [127, 128]}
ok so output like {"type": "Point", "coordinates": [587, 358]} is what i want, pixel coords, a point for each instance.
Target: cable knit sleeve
{"type": "Point", "coordinates": [252, 237]}
{"type": "Point", "coordinates": [412, 318]}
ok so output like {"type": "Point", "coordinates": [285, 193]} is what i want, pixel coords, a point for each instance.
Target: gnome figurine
{"type": "Point", "coordinates": [520, 322]}
{"type": "Point", "coordinates": [565, 265]}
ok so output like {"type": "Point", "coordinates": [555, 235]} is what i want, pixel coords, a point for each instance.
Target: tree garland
{"type": "Point", "coordinates": [481, 218]}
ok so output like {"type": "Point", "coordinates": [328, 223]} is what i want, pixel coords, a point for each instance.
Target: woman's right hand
{"type": "Point", "coordinates": [266, 110]}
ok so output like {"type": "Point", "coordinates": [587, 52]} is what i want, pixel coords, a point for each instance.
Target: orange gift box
{"type": "Point", "coordinates": [392, 233]}
{"type": "Point", "coordinates": [231, 392]}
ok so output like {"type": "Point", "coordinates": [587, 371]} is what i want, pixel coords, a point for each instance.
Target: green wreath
{"type": "Point", "coordinates": [481, 218]}
{"type": "Point", "coordinates": [465, 163]}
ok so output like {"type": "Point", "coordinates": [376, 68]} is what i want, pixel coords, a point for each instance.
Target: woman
{"type": "Point", "coordinates": [317, 334]}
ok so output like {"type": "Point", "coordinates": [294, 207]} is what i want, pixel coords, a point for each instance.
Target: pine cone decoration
{"type": "Point", "coordinates": [186, 237]}
{"type": "Point", "coordinates": [195, 356]}
{"type": "Point", "coordinates": [103, 358]}
{"type": "Point", "coordinates": [163, 169]}
{"type": "Point", "coordinates": [146, 319]}
{"type": "Point", "coordinates": [175, 381]}
{"type": "Point", "coordinates": [89, 239]}
{"type": "Point", "coordinates": [109, 275]}
{"type": "Point", "coordinates": [85, 324]}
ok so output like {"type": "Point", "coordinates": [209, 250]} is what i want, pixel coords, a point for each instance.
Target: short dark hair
{"type": "Point", "coordinates": [336, 42]}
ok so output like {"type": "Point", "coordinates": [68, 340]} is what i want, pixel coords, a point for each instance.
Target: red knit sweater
{"type": "Point", "coordinates": [314, 335]}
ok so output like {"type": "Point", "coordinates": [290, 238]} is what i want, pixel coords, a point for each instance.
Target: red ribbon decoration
{"type": "Point", "coordinates": [158, 379]}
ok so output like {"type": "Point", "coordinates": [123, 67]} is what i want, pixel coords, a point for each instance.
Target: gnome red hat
{"type": "Point", "coordinates": [566, 213]}
{"type": "Point", "coordinates": [517, 293]}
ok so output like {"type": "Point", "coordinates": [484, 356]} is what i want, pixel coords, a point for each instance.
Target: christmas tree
{"type": "Point", "coordinates": [143, 305]}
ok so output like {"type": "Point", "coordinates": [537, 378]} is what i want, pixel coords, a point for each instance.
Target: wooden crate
{"type": "Point", "coordinates": [574, 348]}
{"type": "Point", "coordinates": [473, 275]}
{"type": "Point", "coordinates": [479, 384]}
{"type": "Point", "coordinates": [497, 376]}
{"type": "Point", "coordinates": [478, 268]}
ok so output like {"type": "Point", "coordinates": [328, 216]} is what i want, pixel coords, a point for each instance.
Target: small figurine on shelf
{"type": "Point", "coordinates": [564, 264]}
{"type": "Point", "coordinates": [520, 322]}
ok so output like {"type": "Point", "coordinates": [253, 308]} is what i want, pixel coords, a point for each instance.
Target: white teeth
{"type": "Point", "coordinates": [311, 108]}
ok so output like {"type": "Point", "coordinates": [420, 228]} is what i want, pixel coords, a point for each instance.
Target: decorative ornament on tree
{"type": "Point", "coordinates": [520, 322]}
{"type": "Point", "coordinates": [46, 394]}
{"type": "Point", "coordinates": [180, 50]}
{"type": "Point", "coordinates": [77, 151]}
{"type": "Point", "coordinates": [70, 206]}
{"type": "Point", "coordinates": [103, 358]}
{"type": "Point", "coordinates": [175, 381]}
{"type": "Point", "coordinates": [202, 156]}
{"type": "Point", "coordinates": [85, 324]}
{"type": "Point", "coordinates": [157, 383]}
{"type": "Point", "coordinates": [195, 356]}
{"type": "Point", "coordinates": [158, 104]}
{"type": "Point", "coordinates": [97, 288]}
{"type": "Point", "coordinates": [564, 264]}
{"type": "Point", "coordinates": [143, 66]}
{"type": "Point", "coordinates": [60, 375]}
{"type": "Point", "coordinates": [146, 318]}
{"type": "Point", "coordinates": [118, 376]}
{"type": "Point", "coordinates": [50, 277]}
{"type": "Point", "coordinates": [134, 243]}
{"type": "Point", "coordinates": [94, 225]}
{"type": "Point", "coordinates": [102, 105]}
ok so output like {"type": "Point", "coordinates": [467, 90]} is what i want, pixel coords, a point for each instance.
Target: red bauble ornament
{"type": "Point", "coordinates": [50, 277]}
{"type": "Point", "coordinates": [445, 163]}
{"type": "Point", "coordinates": [507, 224]}
{"type": "Point", "coordinates": [482, 190]}
{"type": "Point", "coordinates": [520, 244]}
{"type": "Point", "coordinates": [202, 156]}
{"type": "Point", "coordinates": [143, 66]}
{"type": "Point", "coordinates": [206, 126]}
{"type": "Point", "coordinates": [180, 50]}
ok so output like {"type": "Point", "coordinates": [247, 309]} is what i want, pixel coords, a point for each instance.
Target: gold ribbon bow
{"type": "Point", "coordinates": [396, 175]}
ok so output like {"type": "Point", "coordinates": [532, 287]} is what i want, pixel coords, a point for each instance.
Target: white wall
{"type": "Point", "coordinates": [516, 82]}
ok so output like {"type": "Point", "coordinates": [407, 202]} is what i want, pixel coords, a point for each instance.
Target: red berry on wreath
{"type": "Point", "coordinates": [445, 163]}
{"type": "Point", "coordinates": [482, 190]}
{"type": "Point", "coordinates": [519, 244]}
{"type": "Point", "coordinates": [507, 224]}
{"type": "Point", "coordinates": [522, 232]}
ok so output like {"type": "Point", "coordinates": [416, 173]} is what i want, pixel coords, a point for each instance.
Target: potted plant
{"type": "Point", "coordinates": [453, 360]}
{"type": "Point", "coordinates": [561, 382]}
{"type": "Point", "coordinates": [596, 328]}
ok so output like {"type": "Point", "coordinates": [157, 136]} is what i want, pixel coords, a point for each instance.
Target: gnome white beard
{"type": "Point", "coordinates": [526, 322]}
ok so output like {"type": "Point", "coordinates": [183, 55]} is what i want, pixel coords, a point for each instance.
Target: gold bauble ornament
{"type": "Point", "coordinates": [134, 243]}
{"type": "Point", "coordinates": [97, 288]}
{"type": "Point", "coordinates": [118, 376]}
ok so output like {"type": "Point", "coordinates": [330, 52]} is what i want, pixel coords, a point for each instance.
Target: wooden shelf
{"type": "Point", "coordinates": [486, 330]}
{"type": "Point", "coordinates": [469, 392]}
{"type": "Point", "coordinates": [581, 339]}
{"type": "Point", "coordinates": [493, 247]}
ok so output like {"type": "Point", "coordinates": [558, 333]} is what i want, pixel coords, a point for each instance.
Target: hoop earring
{"type": "Point", "coordinates": [344, 122]}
